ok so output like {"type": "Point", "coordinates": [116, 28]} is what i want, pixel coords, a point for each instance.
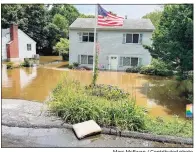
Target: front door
{"type": "Point", "coordinates": [113, 62]}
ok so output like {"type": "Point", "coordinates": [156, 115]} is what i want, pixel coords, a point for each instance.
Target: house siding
{"type": "Point", "coordinates": [111, 43]}
{"type": "Point", "coordinates": [23, 41]}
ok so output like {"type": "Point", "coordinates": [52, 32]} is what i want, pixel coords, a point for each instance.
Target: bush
{"type": "Point", "coordinates": [133, 69]}
{"type": "Point", "coordinates": [75, 64]}
{"type": "Point", "coordinates": [157, 67]}
{"type": "Point", "coordinates": [74, 104]}
{"type": "Point", "coordinates": [70, 66]}
{"type": "Point", "coordinates": [10, 65]}
{"type": "Point", "coordinates": [107, 91]}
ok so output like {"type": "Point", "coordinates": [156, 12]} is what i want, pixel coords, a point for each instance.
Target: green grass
{"type": "Point", "coordinates": [75, 104]}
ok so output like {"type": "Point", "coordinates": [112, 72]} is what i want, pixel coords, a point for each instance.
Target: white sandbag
{"type": "Point", "coordinates": [86, 128]}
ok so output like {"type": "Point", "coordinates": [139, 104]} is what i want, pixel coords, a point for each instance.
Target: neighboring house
{"type": "Point", "coordinates": [120, 47]}
{"type": "Point", "coordinates": [16, 45]}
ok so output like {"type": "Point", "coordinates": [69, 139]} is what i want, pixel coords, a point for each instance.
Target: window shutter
{"type": "Point", "coordinates": [121, 61]}
{"type": "Point", "coordinates": [141, 37]}
{"type": "Point", "coordinates": [140, 62]}
{"type": "Point", "coordinates": [79, 59]}
{"type": "Point", "coordinates": [80, 36]}
{"type": "Point", "coordinates": [124, 38]}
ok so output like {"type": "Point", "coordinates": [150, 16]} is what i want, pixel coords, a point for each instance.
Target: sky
{"type": "Point", "coordinates": [132, 11]}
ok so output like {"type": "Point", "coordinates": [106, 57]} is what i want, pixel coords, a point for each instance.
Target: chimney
{"type": "Point", "coordinates": [125, 16]}
{"type": "Point", "coordinates": [12, 46]}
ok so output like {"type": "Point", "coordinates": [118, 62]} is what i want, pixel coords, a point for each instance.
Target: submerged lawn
{"type": "Point", "coordinates": [75, 103]}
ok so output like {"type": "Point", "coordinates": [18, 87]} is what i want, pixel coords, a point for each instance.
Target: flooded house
{"type": "Point", "coordinates": [120, 47]}
{"type": "Point", "coordinates": [16, 45]}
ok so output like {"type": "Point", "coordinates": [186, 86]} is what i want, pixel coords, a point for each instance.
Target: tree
{"type": "Point", "coordinates": [86, 16]}
{"type": "Point", "coordinates": [62, 47]}
{"type": "Point", "coordinates": [66, 10]}
{"type": "Point", "coordinates": [154, 17]}
{"type": "Point", "coordinates": [173, 40]}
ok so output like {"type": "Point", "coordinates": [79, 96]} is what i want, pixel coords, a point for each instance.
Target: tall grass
{"type": "Point", "coordinates": [74, 104]}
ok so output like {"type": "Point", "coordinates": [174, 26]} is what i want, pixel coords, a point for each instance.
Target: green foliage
{"type": "Point", "coordinates": [174, 127]}
{"type": "Point", "coordinates": [70, 66]}
{"type": "Point", "coordinates": [154, 17]}
{"type": "Point", "coordinates": [86, 16]}
{"type": "Point", "coordinates": [10, 65]}
{"type": "Point", "coordinates": [75, 64]}
{"type": "Point", "coordinates": [62, 24]}
{"type": "Point", "coordinates": [157, 67]}
{"type": "Point", "coordinates": [62, 47]}
{"type": "Point", "coordinates": [74, 104]}
{"type": "Point", "coordinates": [133, 69]}
{"type": "Point", "coordinates": [107, 91]}
{"type": "Point", "coordinates": [45, 26]}
{"type": "Point", "coordinates": [173, 39]}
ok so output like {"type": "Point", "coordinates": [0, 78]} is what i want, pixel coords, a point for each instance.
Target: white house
{"type": "Point", "coordinates": [16, 45]}
{"type": "Point", "coordinates": [120, 47]}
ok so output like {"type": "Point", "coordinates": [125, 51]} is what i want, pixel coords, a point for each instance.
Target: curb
{"type": "Point", "coordinates": [130, 134]}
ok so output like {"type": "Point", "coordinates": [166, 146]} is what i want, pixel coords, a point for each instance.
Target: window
{"type": "Point", "coordinates": [83, 59]}
{"type": "Point", "coordinates": [86, 59]}
{"type": "Point", "coordinates": [129, 61]}
{"type": "Point", "coordinates": [28, 47]}
{"type": "Point", "coordinates": [90, 59]}
{"type": "Point", "coordinates": [135, 38]}
{"type": "Point", "coordinates": [132, 38]}
{"type": "Point", "coordinates": [126, 61]}
{"type": "Point", "coordinates": [134, 61]}
{"type": "Point", "coordinates": [129, 38]}
{"type": "Point", "coordinates": [87, 37]}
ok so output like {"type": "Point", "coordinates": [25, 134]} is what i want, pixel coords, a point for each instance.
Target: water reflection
{"type": "Point", "coordinates": [157, 94]}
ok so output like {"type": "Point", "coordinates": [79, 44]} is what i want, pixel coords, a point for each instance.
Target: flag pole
{"type": "Point", "coordinates": [95, 35]}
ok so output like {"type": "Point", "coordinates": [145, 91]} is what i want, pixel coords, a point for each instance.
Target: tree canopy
{"type": "Point", "coordinates": [154, 17]}
{"type": "Point", "coordinates": [173, 39]}
{"type": "Point", "coordinates": [46, 24]}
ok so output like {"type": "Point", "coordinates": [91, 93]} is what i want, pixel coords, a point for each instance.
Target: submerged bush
{"type": "Point", "coordinates": [133, 69]}
{"type": "Point", "coordinates": [157, 67]}
{"type": "Point", "coordinates": [70, 66]}
{"type": "Point", "coordinates": [28, 62]}
{"type": "Point", "coordinates": [75, 64]}
{"type": "Point", "coordinates": [107, 91]}
{"type": "Point", "coordinates": [10, 65]}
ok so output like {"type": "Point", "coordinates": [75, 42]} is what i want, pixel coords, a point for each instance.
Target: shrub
{"type": "Point", "coordinates": [71, 66]}
{"type": "Point", "coordinates": [74, 104]}
{"type": "Point", "coordinates": [10, 65]}
{"type": "Point", "coordinates": [133, 70]}
{"type": "Point", "coordinates": [157, 67]}
{"type": "Point", "coordinates": [75, 64]}
{"type": "Point", "coordinates": [107, 91]}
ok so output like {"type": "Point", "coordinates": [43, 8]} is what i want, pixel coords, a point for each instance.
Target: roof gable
{"type": "Point", "coordinates": [129, 24]}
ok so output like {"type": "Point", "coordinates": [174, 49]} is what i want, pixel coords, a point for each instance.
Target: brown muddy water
{"type": "Point", "coordinates": [157, 94]}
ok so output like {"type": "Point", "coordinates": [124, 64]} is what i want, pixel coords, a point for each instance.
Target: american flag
{"type": "Point", "coordinates": [107, 19]}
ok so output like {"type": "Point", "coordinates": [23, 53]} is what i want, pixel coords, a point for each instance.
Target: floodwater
{"type": "Point", "coordinates": [157, 94]}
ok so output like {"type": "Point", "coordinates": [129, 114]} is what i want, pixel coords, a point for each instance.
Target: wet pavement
{"type": "Point", "coordinates": [26, 115]}
{"type": "Point", "coordinates": [55, 137]}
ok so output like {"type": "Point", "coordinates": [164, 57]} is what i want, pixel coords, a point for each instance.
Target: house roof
{"type": "Point", "coordinates": [129, 24]}
{"type": "Point", "coordinates": [4, 32]}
